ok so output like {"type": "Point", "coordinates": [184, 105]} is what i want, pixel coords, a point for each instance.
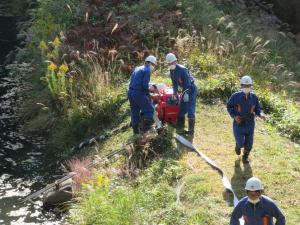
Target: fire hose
{"type": "Point", "coordinates": [179, 138]}
{"type": "Point", "coordinates": [225, 180]}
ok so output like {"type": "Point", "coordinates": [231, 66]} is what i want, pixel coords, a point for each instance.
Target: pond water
{"type": "Point", "coordinates": [22, 163]}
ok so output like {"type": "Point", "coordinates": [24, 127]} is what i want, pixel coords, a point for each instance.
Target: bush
{"type": "Point", "coordinates": [152, 200]}
{"type": "Point", "coordinates": [284, 115]}
{"type": "Point", "coordinates": [147, 8]}
{"type": "Point", "coordinates": [149, 202]}
{"type": "Point", "coordinates": [218, 64]}
{"type": "Point", "coordinates": [53, 16]}
{"type": "Point", "coordinates": [201, 13]}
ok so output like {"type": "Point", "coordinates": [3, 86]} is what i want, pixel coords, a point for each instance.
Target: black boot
{"type": "Point", "coordinates": [237, 150]}
{"type": "Point", "coordinates": [180, 125]}
{"type": "Point", "coordinates": [136, 129]}
{"type": "Point", "coordinates": [147, 125]}
{"type": "Point", "coordinates": [191, 126]}
{"type": "Point", "coordinates": [245, 157]}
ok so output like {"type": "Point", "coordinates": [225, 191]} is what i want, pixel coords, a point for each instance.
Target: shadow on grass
{"type": "Point", "coordinates": [242, 172]}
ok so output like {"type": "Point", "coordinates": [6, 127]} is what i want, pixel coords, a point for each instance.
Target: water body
{"type": "Point", "coordinates": [22, 164]}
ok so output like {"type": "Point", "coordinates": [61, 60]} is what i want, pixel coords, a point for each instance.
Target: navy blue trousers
{"type": "Point", "coordinates": [139, 103]}
{"type": "Point", "coordinates": [190, 106]}
{"type": "Point", "coordinates": [243, 135]}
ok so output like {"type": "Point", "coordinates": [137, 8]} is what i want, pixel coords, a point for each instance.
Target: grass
{"type": "Point", "coordinates": [272, 158]}
{"type": "Point", "coordinates": [219, 45]}
{"type": "Point", "coordinates": [187, 190]}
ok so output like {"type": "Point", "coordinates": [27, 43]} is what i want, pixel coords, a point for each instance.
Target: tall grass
{"type": "Point", "coordinates": [218, 64]}
{"type": "Point", "coordinates": [152, 200]}
{"type": "Point", "coordinates": [222, 46]}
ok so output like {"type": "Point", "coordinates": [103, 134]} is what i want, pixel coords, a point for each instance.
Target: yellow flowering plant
{"type": "Point", "coordinates": [43, 46]}
{"type": "Point", "coordinates": [57, 42]}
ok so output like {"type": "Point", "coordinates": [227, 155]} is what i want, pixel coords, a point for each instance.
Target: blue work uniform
{"type": "Point", "coordinates": [264, 210]}
{"type": "Point", "coordinates": [138, 94]}
{"type": "Point", "coordinates": [181, 77]}
{"type": "Point", "coordinates": [246, 108]}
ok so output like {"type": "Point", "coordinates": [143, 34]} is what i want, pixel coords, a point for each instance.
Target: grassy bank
{"type": "Point", "coordinates": [182, 188]}
{"type": "Point", "coordinates": [85, 52]}
{"type": "Point", "coordinates": [77, 82]}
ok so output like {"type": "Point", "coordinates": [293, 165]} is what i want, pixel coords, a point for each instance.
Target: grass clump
{"type": "Point", "coordinates": [222, 52]}
{"type": "Point", "coordinates": [152, 198]}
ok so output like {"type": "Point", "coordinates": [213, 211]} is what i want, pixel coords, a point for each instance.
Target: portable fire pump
{"type": "Point", "coordinates": [165, 104]}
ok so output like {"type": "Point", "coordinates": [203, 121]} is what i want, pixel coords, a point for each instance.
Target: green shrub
{"type": "Point", "coordinates": [53, 16]}
{"type": "Point", "coordinates": [151, 200]}
{"type": "Point", "coordinates": [162, 171]}
{"type": "Point", "coordinates": [201, 13]}
{"type": "Point", "coordinates": [147, 8]}
{"type": "Point", "coordinates": [284, 115]}
{"type": "Point", "coordinates": [145, 203]}
{"type": "Point", "coordinates": [219, 63]}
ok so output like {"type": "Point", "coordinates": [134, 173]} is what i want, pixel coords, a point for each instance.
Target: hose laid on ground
{"type": "Point", "coordinates": [98, 138]}
{"type": "Point", "coordinates": [225, 180]}
{"type": "Point", "coordinates": [89, 142]}
{"type": "Point", "coordinates": [179, 138]}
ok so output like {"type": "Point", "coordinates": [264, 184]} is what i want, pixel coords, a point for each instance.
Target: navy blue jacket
{"type": "Point", "coordinates": [253, 214]}
{"type": "Point", "coordinates": [140, 79]}
{"type": "Point", "coordinates": [238, 105]}
{"type": "Point", "coordinates": [181, 77]}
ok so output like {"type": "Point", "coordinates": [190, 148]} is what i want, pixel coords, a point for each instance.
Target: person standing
{"type": "Point", "coordinates": [138, 95]}
{"type": "Point", "coordinates": [255, 208]}
{"type": "Point", "coordinates": [181, 77]}
{"type": "Point", "coordinates": [242, 107]}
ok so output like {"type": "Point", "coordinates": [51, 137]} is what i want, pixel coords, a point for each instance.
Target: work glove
{"type": "Point", "coordinates": [263, 116]}
{"type": "Point", "coordinates": [185, 97]}
{"type": "Point", "coordinates": [238, 119]}
{"type": "Point", "coordinates": [174, 97]}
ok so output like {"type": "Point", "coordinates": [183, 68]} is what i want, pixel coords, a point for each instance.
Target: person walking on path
{"type": "Point", "coordinates": [243, 106]}
{"type": "Point", "coordinates": [255, 208]}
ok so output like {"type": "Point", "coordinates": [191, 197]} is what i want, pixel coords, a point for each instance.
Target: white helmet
{"type": "Point", "coordinates": [151, 59]}
{"type": "Point", "coordinates": [171, 58]}
{"type": "Point", "coordinates": [253, 184]}
{"type": "Point", "coordinates": [246, 80]}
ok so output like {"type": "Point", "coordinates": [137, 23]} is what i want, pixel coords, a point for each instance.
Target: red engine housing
{"type": "Point", "coordinates": [165, 105]}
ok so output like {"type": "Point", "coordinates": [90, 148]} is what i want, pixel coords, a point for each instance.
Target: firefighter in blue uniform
{"type": "Point", "coordinates": [255, 208]}
{"type": "Point", "coordinates": [181, 77]}
{"type": "Point", "coordinates": [138, 95]}
{"type": "Point", "coordinates": [242, 107]}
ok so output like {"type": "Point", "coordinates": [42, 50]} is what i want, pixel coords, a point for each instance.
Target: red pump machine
{"type": "Point", "coordinates": [166, 105]}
